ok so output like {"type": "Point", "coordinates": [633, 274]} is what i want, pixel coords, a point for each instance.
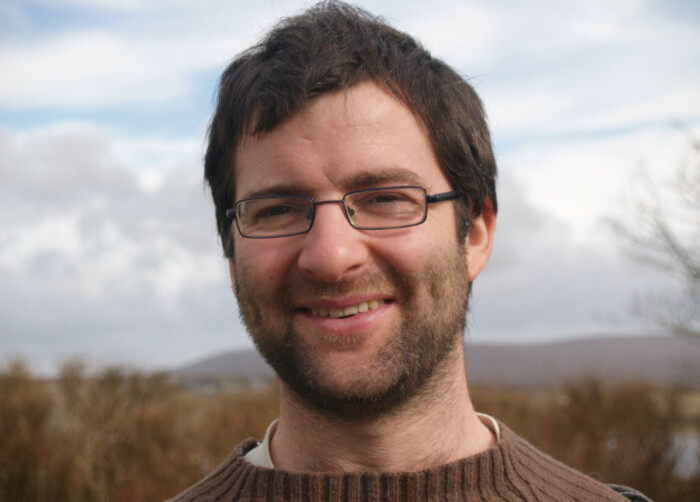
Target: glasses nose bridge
{"type": "Point", "coordinates": [346, 210]}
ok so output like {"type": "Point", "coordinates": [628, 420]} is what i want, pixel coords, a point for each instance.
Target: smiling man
{"type": "Point", "coordinates": [354, 185]}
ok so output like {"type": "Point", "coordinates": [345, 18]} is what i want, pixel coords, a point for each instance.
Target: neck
{"type": "Point", "coordinates": [438, 426]}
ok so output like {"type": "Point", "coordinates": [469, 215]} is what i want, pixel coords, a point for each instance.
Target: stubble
{"type": "Point", "coordinates": [433, 305]}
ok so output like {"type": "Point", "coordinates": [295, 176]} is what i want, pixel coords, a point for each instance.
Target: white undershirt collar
{"type": "Point", "coordinates": [259, 455]}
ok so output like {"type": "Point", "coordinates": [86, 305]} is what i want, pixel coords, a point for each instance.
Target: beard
{"type": "Point", "coordinates": [433, 305]}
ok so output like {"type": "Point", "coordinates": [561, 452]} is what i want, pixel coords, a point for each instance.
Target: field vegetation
{"type": "Point", "coordinates": [123, 436]}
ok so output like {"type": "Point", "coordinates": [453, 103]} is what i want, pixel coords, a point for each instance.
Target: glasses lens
{"type": "Point", "coordinates": [274, 216]}
{"type": "Point", "coordinates": [386, 207]}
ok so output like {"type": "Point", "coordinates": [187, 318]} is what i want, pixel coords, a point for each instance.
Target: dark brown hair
{"type": "Point", "coordinates": [332, 47]}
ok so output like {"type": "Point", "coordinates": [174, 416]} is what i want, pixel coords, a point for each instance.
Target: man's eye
{"type": "Point", "coordinates": [385, 198]}
{"type": "Point", "coordinates": [272, 211]}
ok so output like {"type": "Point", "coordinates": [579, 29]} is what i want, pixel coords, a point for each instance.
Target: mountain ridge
{"type": "Point", "coordinates": [660, 360]}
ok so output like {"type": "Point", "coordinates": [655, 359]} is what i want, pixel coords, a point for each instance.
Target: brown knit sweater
{"type": "Point", "coordinates": [511, 470]}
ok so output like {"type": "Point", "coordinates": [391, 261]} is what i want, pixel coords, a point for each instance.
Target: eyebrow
{"type": "Point", "coordinates": [394, 175]}
{"type": "Point", "coordinates": [357, 181]}
{"type": "Point", "coordinates": [276, 189]}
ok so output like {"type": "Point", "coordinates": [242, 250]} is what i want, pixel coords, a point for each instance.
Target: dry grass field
{"type": "Point", "coordinates": [125, 436]}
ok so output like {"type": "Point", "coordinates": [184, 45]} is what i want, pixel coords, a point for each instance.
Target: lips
{"type": "Point", "coordinates": [348, 311]}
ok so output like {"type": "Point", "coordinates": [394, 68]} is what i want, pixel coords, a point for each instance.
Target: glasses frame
{"type": "Point", "coordinates": [429, 199]}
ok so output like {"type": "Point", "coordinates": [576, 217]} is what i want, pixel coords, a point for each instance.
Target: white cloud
{"type": "Point", "coordinates": [543, 283]}
{"type": "Point", "coordinates": [562, 67]}
{"type": "Point", "coordinates": [85, 69]}
{"type": "Point", "coordinates": [88, 255]}
{"type": "Point", "coordinates": [92, 264]}
{"type": "Point", "coordinates": [573, 64]}
{"type": "Point", "coordinates": [583, 181]}
{"type": "Point", "coordinates": [149, 53]}
{"type": "Point", "coordinates": [108, 5]}
{"type": "Point", "coordinates": [110, 248]}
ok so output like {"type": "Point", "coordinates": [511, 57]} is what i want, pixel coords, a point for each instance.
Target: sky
{"type": "Point", "coordinates": [108, 248]}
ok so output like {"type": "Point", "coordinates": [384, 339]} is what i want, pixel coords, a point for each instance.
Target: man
{"type": "Point", "coordinates": [354, 185]}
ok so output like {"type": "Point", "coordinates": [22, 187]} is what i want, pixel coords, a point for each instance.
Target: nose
{"type": "Point", "coordinates": [332, 249]}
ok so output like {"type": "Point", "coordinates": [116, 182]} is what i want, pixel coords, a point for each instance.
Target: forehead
{"type": "Point", "coordinates": [342, 141]}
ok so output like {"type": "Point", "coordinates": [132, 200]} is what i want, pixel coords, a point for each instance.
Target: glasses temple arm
{"type": "Point", "coordinates": [439, 197]}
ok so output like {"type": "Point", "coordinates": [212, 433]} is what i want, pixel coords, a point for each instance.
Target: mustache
{"type": "Point", "coordinates": [298, 289]}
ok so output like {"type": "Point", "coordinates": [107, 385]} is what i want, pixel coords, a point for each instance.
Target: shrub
{"type": "Point", "coordinates": [25, 406]}
{"type": "Point", "coordinates": [124, 436]}
{"type": "Point", "coordinates": [620, 434]}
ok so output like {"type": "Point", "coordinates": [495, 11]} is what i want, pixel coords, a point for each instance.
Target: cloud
{"type": "Point", "coordinates": [557, 268]}
{"type": "Point", "coordinates": [147, 53]}
{"type": "Point", "coordinates": [582, 180]}
{"type": "Point", "coordinates": [92, 263]}
{"type": "Point", "coordinates": [104, 5]}
{"type": "Point", "coordinates": [99, 68]}
{"type": "Point", "coordinates": [542, 283]}
{"type": "Point", "coordinates": [110, 249]}
{"type": "Point", "coordinates": [554, 69]}
{"type": "Point", "coordinates": [546, 66]}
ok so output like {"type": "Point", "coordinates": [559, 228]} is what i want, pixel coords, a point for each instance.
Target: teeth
{"type": "Point", "coordinates": [351, 310]}
{"type": "Point", "coordinates": [347, 311]}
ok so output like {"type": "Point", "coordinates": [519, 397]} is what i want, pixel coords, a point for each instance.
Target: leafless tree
{"type": "Point", "coordinates": [660, 226]}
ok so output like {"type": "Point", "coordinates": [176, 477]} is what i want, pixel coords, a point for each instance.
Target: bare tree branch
{"type": "Point", "coordinates": [660, 227]}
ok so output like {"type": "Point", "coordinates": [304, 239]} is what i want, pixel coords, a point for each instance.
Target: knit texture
{"type": "Point", "coordinates": [512, 470]}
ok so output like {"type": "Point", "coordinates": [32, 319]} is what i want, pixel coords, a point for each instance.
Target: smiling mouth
{"type": "Point", "coordinates": [337, 313]}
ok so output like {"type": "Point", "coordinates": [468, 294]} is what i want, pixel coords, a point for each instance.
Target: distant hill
{"type": "Point", "coordinates": [661, 360]}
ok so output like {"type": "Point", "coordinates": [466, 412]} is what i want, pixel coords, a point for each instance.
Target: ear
{"type": "Point", "coordinates": [479, 240]}
{"type": "Point", "coordinates": [232, 273]}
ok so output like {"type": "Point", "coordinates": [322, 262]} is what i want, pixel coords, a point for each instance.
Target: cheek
{"type": "Point", "coordinates": [409, 257]}
{"type": "Point", "coordinates": [434, 259]}
{"type": "Point", "coordinates": [265, 261]}
{"type": "Point", "coordinates": [424, 247]}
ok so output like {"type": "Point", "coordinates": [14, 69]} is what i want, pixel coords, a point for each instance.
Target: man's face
{"type": "Point", "coordinates": [409, 285]}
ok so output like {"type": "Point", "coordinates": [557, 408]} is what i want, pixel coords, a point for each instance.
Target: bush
{"type": "Point", "coordinates": [620, 434]}
{"type": "Point", "coordinates": [25, 442]}
{"type": "Point", "coordinates": [115, 436]}
{"type": "Point", "coordinates": [124, 436]}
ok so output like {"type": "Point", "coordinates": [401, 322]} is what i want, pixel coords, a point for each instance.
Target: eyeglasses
{"type": "Point", "coordinates": [370, 209]}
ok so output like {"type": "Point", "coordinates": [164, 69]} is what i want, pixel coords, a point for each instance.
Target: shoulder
{"type": "Point", "coordinates": [550, 479]}
{"type": "Point", "coordinates": [629, 493]}
{"type": "Point", "coordinates": [232, 468]}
